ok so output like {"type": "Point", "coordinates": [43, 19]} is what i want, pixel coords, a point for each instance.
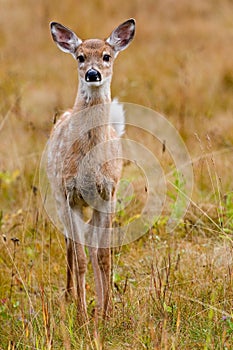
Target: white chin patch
{"type": "Point", "coordinates": [94, 83]}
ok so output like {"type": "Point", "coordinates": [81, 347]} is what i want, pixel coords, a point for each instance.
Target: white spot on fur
{"type": "Point", "coordinates": [117, 117]}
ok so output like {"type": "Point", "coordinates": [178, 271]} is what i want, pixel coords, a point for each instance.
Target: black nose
{"type": "Point", "coordinates": [92, 75]}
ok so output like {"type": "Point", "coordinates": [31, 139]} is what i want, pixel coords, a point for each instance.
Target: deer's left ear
{"type": "Point", "coordinates": [122, 36]}
{"type": "Point", "coordinates": [65, 39]}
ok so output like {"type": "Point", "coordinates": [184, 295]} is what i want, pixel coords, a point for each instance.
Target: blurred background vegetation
{"type": "Point", "coordinates": [180, 64]}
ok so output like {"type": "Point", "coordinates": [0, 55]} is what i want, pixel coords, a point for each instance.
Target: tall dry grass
{"type": "Point", "coordinates": [171, 291]}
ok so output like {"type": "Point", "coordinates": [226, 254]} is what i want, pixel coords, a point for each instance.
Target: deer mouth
{"type": "Point", "coordinates": [93, 76]}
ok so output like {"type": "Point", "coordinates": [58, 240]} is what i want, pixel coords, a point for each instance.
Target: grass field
{"type": "Point", "coordinates": [170, 290]}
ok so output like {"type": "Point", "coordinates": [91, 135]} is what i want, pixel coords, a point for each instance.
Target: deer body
{"type": "Point", "coordinates": [84, 164]}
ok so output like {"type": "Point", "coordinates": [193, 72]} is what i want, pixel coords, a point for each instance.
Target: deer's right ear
{"type": "Point", "coordinates": [65, 39]}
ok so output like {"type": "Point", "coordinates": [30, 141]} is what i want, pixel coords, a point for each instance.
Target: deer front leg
{"type": "Point", "coordinates": [69, 269]}
{"type": "Point", "coordinates": [76, 259]}
{"type": "Point", "coordinates": [101, 260]}
{"type": "Point", "coordinates": [80, 263]}
{"type": "Point", "coordinates": [101, 264]}
{"type": "Point", "coordinates": [104, 262]}
{"type": "Point", "coordinates": [76, 267]}
{"type": "Point", "coordinates": [98, 278]}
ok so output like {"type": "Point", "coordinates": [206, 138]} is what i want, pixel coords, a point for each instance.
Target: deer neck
{"type": "Point", "coordinates": [91, 111]}
{"type": "Point", "coordinates": [89, 96]}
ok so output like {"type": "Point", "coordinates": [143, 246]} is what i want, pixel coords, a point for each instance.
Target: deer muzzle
{"type": "Point", "coordinates": [92, 75]}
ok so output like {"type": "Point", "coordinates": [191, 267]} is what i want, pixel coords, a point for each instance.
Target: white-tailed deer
{"type": "Point", "coordinates": [80, 172]}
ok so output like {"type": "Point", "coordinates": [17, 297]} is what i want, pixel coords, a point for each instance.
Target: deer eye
{"type": "Point", "coordinates": [106, 57]}
{"type": "Point", "coordinates": [81, 58]}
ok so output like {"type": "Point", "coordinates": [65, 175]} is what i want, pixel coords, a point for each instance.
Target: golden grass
{"type": "Point", "coordinates": [171, 291]}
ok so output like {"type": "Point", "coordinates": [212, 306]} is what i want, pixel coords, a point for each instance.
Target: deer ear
{"type": "Point", "coordinates": [65, 39]}
{"type": "Point", "coordinates": [122, 36]}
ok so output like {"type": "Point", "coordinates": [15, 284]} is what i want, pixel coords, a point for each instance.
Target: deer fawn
{"type": "Point", "coordinates": [80, 172]}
